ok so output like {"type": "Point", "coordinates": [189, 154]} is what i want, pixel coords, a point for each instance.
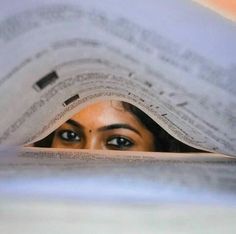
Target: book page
{"type": "Point", "coordinates": [202, 171]}
{"type": "Point", "coordinates": [157, 55]}
{"type": "Point", "coordinates": [68, 191]}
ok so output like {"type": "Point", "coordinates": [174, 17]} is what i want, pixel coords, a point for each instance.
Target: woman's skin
{"type": "Point", "coordinates": [107, 126]}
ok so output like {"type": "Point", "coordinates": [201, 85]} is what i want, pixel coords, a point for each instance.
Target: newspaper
{"type": "Point", "coordinates": [173, 60]}
{"type": "Point", "coordinates": [70, 191]}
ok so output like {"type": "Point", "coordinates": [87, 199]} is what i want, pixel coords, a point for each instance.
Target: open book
{"type": "Point", "coordinates": [174, 61]}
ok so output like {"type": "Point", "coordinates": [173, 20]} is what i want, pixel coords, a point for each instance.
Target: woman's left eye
{"type": "Point", "coordinates": [119, 143]}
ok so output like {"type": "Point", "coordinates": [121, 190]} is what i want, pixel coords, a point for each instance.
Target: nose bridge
{"type": "Point", "coordinates": [92, 142]}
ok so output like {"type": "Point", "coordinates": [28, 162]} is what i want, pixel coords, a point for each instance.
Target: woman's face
{"type": "Point", "coordinates": [105, 125]}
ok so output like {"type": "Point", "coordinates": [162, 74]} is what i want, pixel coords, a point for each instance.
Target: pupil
{"type": "Point", "coordinates": [121, 141]}
{"type": "Point", "coordinates": [72, 135]}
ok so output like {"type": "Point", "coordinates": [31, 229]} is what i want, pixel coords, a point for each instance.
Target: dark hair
{"type": "Point", "coordinates": [164, 142]}
{"type": "Point", "coordinates": [45, 142]}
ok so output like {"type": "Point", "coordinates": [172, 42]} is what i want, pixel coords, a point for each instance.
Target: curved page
{"type": "Point", "coordinates": [174, 60]}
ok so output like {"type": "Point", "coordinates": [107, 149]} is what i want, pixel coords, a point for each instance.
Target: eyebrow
{"type": "Point", "coordinates": [118, 126]}
{"type": "Point", "coordinates": [74, 123]}
{"type": "Point", "coordinates": [106, 128]}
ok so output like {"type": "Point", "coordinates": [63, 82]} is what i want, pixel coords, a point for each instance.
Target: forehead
{"type": "Point", "coordinates": [109, 105]}
{"type": "Point", "coordinates": [105, 113]}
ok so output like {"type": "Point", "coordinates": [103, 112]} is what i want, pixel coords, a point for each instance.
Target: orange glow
{"type": "Point", "coordinates": [226, 8]}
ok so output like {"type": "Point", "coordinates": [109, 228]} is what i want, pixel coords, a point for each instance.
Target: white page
{"type": "Point", "coordinates": [175, 61]}
{"type": "Point", "coordinates": [67, 191]}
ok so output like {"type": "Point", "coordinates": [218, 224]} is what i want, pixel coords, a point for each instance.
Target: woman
{"type": "Point", "coordinates": [113, 125]}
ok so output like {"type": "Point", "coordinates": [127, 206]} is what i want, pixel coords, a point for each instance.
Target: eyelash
{"type": "Point", "coordinates": [124, 144]}
{"type": "Point", "coordinates": [72, 139]}
{"type": "Point", "coordinates": [122, 147]}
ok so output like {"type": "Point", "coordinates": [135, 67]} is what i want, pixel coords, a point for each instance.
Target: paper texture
{"type": "Point", "coordinates": [175, 61]}
{"type": "Point", "coordinates": [47, 191]}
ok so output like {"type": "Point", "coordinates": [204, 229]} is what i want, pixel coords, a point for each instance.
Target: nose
{"type": "Point", "coordinates": [92, 143]}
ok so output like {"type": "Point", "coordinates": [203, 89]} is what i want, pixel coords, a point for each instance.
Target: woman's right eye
{"type": "Point", "coordinates": [68, 135]}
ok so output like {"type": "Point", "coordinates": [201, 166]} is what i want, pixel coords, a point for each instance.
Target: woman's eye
{"type": "Point", "coordinates": [119, 143]}
{"type": "Point", "coordinates": [68, 135]}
